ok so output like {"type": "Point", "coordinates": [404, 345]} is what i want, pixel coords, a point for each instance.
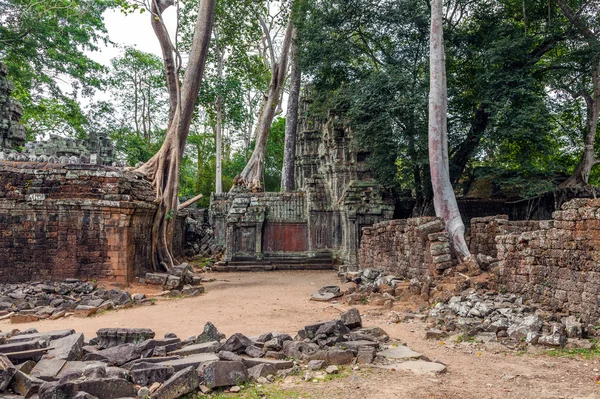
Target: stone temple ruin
{"type": "Point", "coordinates": [315, 227]}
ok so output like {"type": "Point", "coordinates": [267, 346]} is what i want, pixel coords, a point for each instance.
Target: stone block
{"type": "Point", "coordinates": [224, 374]}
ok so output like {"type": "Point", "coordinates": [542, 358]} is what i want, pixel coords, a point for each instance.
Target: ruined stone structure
{"type": "Point", "coordinates": [73, 221]}
{"type": "Point", "coordinates": [317, 226]}
{"type": "Point", "coordinates": [409, 248]}
{"type": "Point", "coordinates": [12, 134]}
{"type": "Point", "coordinates": [557, 264]}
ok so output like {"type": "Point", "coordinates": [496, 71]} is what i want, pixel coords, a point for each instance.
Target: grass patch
{"type": "Point", "coordinates": [593, 353]}
{"type": "Point", "coordinates": [465, 338]}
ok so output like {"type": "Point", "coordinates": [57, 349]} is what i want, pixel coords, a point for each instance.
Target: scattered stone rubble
{"type": "Point", "coordinates": [127, 363]}
{"type": "Point", "coordinates": [23, 303]}
{"type": "Point", "coordinates": [493, 317]}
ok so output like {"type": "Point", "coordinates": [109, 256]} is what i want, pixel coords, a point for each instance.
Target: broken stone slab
{"type": "Point", "coordinates": [85, 311]}
{"type": "Point", "coordinates": [237, 343]}
{"type": "Point", "coordinates": [25, 367]}
{"type": "Point", "coordinates": [23, 346]}
{"type": "Point", "coordinates": [418, 367]}
{"type": "Point", "coordinates": [146, 374]}
{"type": "Point", "coordinates": [207, 347]}
{"type": "Point", "coordinates": [518, 331]}
{"type": "Point", "coordinates": [366, 355]}
{"type": "Point", "coordinates": [261, 370]}
{"type": "Point", "coordinates": [156, 278]}
{"type": "Point", "coordinates": [48, 369]}
{"type": "Point", "coordinates": [354, 346]}
{"type": "Point", "coordinates": [45, 336]}
{"type": "Point", "coordinates": [181, 383]}
{"type": "Point", "coordinates": [296, 349]}
{"type": "Point", "coordinates": [23, 318]}
{"type": "Point", "coordinates": [334, 327]}
{"type": "Point", "coordinates": [77, 367]}
{"type": "Point", "coordinates": [315, 365]}
{"type": "Point", "coordinates": [109, 337]}
{"type": "Point", "coordinates": [25, 385]}
{"type": "Point", "coordinates": [327, 294]}
{"type": "Point", "coordinates": [224, 355]}
{"type": "Point", "coordinates": [170, 344]}
{"type": "Point", "coordinates": [339, 357]}
{"type": "Point", "coordinates": [67, 348]}
{"type": "Point", "coordinates": [193, 361]}
{"type": "Point", "coordinates": [223, 374]}
{"type": "Point", "coordinates": [102, 388]}
{"type": "Point", "coordinates": [33, 354]}
{"type": "Point", "coordinates": [7, 371]}
{"type": "Point", "coordinates": [209, 334]}
{"type": "Point", "coordinates": [116, 355]}
{"type": "Point", "coordinates": [277, 364]}
{"type": "Point", "coordinates": [154, 360]}
{"type": "Point", "coordinates": [351, 318]}
{"type": "Point", "coordinates": [400, 353]}
{"type": "Point", "coordinates": [254, 351]}
{"type": "Point", "coordinates": [375, 334]}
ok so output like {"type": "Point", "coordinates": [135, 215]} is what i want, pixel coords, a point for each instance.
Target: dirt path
{"type": "Point", "coordinates": [254, 303]}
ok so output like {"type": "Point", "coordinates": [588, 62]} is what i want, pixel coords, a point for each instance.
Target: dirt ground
{"type": "Point", "coordinates": [254, 303]}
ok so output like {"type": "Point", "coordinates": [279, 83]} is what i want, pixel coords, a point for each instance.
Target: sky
{"type": "Point", "coordinates": [131, 30]}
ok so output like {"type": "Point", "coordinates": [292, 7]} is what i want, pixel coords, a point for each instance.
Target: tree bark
{"type": "Point", "coordinates": [163, 168]}
{"type": "Point", "coordinates": [291, 125]}
{"type": "Point", "coordinates": [252, 177]}
{"type": "Point", "coordinates": [444, 199]}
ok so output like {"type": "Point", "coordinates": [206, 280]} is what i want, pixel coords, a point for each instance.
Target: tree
{"type": "Point", "coordinates": [289, 155]}
{"type": "Point", "coordinates": [252, 177]}
{"type": "Point", "coordinates": [163, 168]}
{"type": "Point", "coordinates": [444, 199]}
{"type": "Point", "coordinates": [45, 45]}
{"type": "Point", "coordinates": [590, 92]}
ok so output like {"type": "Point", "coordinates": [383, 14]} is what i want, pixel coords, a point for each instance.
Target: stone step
{"type": "Point", "coordinates": [258, 267]}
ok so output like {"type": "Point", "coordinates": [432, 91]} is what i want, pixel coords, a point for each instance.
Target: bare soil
{"type": "Point", "coordinates": [254, 303]}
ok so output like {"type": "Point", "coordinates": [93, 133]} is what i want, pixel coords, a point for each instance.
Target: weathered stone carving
{"type": "Point", "coordinates": [12, 134]}
{"type": "Point", "coordinates": [318, 224]}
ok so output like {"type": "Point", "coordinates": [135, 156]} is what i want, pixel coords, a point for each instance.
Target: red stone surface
{"type": "Point", "coordinates": [285, 237]}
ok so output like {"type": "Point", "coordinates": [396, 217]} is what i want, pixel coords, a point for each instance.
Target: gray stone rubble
{"type": "Point", "coordinates": [127, 363]}
{"type": "Point", "coordinates": [29, 302]}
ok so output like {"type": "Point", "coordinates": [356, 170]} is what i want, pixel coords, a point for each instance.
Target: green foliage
{"type": "Point", "coordinates": [44, 44]}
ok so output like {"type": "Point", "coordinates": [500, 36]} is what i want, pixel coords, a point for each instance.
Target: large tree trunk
{"type": "Point", "coordinates": [291, 123]}
{"type": "Point", "coordinates": [444, 199]}
{"type": "Point", "coordinates": [163, 168]}
{"type": "Point", "coordinates": [252, 177]}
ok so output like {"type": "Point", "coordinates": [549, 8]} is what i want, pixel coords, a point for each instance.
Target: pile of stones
{"type": "Point", "coordinates": [35, 301]}
{"type": "Point", "coordinates": [507, 319]}
{"type": "Point", "coordinates": [199, 235]}
{"type": "Point", "coordinates": [370, 286]}
{"type": "Point", "coordinates": [133, 363]}
{"type": "Point", "coordinates": [182, 281]}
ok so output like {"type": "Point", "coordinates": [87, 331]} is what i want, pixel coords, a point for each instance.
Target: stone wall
{"type": "Point", "coordinates": [73, 221]}
{"type": "Point", "coordinates": [557, 265]}
{"type": "Point", "coordinates": [483, 232]}
{"type": "Point", "coordinates": [406, 248]}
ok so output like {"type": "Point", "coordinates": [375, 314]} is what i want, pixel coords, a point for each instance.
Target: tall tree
{"type": "Point", "coordinates": [590, 92]}
{"type": "Point", "coordinates": [163, 168]}
{"type": "Point", "coordinates": [291, 123]}
{"type": "Point", "coordinates": [444, 199]}
{"type": "Point", "coordinates": [252, 177]}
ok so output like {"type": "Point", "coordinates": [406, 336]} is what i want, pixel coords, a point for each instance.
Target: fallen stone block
{"type": "Point", "coordinates": [67, 348]}
{"type": "Point", "coordinates": [207, 347]}
{"type": "Point", "coordinates": [351, 318]}
{"type": "Point", "coordinates": [23, 318]}
{"type": "Point", "coordinates": [44, 336]}
{"type": "Point", "coordinates": [339, 357]}
{"type": "Point", "coordinates": [85, 311]}
{"type": "Point", "coordinates": [261, 370]}
{"type": "Point", "coordinates": [7, 371]}
{"type": "Point", "coordinates": [181, 383]}
{"type": "Point", "coordinates": [117, 355]}
{"type": "Point", "coordinates": [146, 374]}
{"type": "Point", "coordinates": [354, 346]}
{"type": "Point", "coordinates": [237, 343]}
{"type": "Point", "coordinates": [25, 385]}
{"type": "Point", "coordinates": [223, 374]}
{"type": "Point", "coordinates": [193, 361]}
{"type": "Point", "coordinates": [48, 369]}
{"type": "Point", "coordinates": [209, 334]}
{"type": "Point", "coordinates": [296, 349]}
{"type": "Point", "coordinates": [109, 337]}
{"type": "Point", "coordinates": [278, 364]}
{"type": "Point", "coordinates": [102, 388]}
{"type": "Point", "coordinates": [156, 278]}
